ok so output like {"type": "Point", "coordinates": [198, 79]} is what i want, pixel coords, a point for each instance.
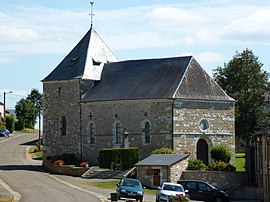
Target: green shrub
{"type": "Point", "coordinates": [163, 150]}
{"type": "Point", "coordinates": [221, 153]}
{"type": "Point", "coordinates": [19, 125]}
{"type": "Point", "coordinates": [2, 124]}
{"type": "Point", "coordinates": [221, 166]}
{"type": "Point", "coordinates": [195, 165]}
{"type": "Point", "coordinates": [9, 123]}
{"type": "Point", "coordinates": [121, 158]}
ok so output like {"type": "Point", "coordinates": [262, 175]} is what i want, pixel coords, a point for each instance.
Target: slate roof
{"type": "Point", "coordinates": [178, 77]}
{"type": "Point", "coordinates": [85, 60]}
{"type": "Point", "coordinates": [162, 159]}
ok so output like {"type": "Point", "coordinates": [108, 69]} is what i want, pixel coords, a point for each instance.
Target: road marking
{"type": "Point", "coordinates": [10, 138]}
{"type": "Point", "coordinates": [101, 197]}
{"type": "Point", "coordinates": [16, 195]}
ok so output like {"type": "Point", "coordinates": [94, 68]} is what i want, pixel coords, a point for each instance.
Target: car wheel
{"type": "Point", "coordinates": [139, 199]}
{"type": "Point", "coordinates": [218, 200]}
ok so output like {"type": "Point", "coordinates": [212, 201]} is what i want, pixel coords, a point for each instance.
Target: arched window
{"type": "Point", "coordinates": [63, 126]}
{"type": "Point", "coordinates": [147, 132]}
{"type": "Point", "coordinates": [118, 129]}
{"type": "Point", "coordinates": [92, 133]}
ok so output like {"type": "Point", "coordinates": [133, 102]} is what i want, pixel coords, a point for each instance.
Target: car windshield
{"type": "Point", "coordinates": [131, 183]}
{"type": "Point", "coordinates": [173, 188]}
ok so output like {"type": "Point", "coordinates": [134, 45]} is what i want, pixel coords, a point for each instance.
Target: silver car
{"type": "Point", "coordinates": [167, 190]}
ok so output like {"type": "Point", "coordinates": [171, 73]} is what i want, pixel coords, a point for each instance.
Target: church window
{"type": "Point", "coordinates": [204, 125]}
{"type": "Point", "coordinates": [63, 126]}
{"type": "Point", "coordinates": [92, 133]}
{"type": "Point", "coordinates": [118, 133]}
{"type": "Point", "coordinates": [147, 132]}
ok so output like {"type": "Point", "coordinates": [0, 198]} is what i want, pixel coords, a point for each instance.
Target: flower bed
{"type": "Point", "coordinates": [179, 197]}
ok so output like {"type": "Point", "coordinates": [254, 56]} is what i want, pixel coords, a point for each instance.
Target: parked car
{"type": "Point", "coordinates": [203, 191]}
{"type": "Point", "coordinates": [130, 188]}
{"type": "Point", "coordinates": [167, 190]}
{"type": "Point", "coordinates": [4, 133]}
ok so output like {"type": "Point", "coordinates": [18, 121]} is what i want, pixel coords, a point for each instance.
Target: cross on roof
{"type": "Point", "coordinates": [92, 14]}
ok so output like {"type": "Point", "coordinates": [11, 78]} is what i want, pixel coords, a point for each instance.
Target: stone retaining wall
{"type": "Point", "coordinates": [221, 179]}
{"type": "Point", "coordinates": [234, 183]}
{"type": "Point", "coordinates": [67, 169]}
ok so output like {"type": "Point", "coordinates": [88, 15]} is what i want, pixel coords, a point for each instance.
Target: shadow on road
{"type": "Point", "coordinates": [36, 168]}
{"type": "Point", "coordinates": [30, 143]}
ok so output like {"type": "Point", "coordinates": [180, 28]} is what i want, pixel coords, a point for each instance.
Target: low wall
{"type": "Point", "coordinates": [67, 169]}
{"type": "Point", "coordinates": [234, 183]}
{"type": "Point", "coordinates": [221, 179]}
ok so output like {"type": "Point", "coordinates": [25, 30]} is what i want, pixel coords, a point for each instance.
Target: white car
{"type": "Point", "coordinates": [168, 189]}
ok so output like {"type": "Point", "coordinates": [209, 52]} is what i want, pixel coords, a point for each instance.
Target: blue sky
{"type": "Point", "coordinates": [35, 35]}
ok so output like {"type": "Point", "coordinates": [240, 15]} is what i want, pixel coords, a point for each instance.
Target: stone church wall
{"type": "Point", "coordinates": [61, 98]}
{"type": "Point", "coordinates": [187, 117]}
{"type": "Point", "coordinates": [132, 115]}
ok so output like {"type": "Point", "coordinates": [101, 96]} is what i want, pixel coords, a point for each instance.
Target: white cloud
{"type": "Point", "coordinates": [253, 28]}
{"type": "Point", "coordinates": [6, 59]}
{"type": "Point", "coordinates": [210, 57]}
{"type": "Point", "coordinates": [47, 30]}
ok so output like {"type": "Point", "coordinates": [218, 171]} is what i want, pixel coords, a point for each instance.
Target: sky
{"type": "Point", "coordinates": [35, 35]}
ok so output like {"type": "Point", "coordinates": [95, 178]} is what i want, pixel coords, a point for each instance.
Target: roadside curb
{"type": "Point", "coordinates": [14, 195]}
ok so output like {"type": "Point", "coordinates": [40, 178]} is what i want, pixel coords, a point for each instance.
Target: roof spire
{"type": "Point", "coordinates": [92, 14]}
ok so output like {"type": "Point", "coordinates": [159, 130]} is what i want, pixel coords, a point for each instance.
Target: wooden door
{"type": "Point", "coordinates": [202, 151]}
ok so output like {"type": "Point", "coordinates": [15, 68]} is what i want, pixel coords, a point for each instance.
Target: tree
{"type": "Point", "coordinates": [9, 122]}
{"type": "Point", "coordinates": [243, 79]}
{"type": "Point", "coordinates": [36, 98]}
{"type": "Point", "coordinates": [25, 111]}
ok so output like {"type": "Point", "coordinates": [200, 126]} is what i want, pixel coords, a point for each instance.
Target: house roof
{"type": "Point", "coordinates": [85, 60]}
{"type": "Point", "coordinates": [177, 77]}
{"type": "Point", "coordinates": [162, 159]}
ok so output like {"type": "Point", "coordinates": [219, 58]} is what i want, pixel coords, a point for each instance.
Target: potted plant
{"type": "Point", "coordinates": [59, 162]}
{"type": "Point", "coordinates": [84, 164]}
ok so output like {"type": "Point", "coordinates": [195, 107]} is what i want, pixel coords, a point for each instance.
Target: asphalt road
{"type": "Point", "coordinates": [26, 177]}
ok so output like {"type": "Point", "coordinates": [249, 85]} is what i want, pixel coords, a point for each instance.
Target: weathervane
{"type": "Point", "coordinates": [92, 14]}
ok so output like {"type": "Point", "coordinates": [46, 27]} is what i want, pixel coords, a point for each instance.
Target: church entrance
{"type": "Point", "coordinates": [202, 151]}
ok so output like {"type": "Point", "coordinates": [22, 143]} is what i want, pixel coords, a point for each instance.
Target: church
{"type": "Point", "coordinates": [93, 101]}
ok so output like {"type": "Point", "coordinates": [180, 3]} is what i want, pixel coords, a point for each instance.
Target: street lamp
{"type": "Point", "coordinates": [5, 101]}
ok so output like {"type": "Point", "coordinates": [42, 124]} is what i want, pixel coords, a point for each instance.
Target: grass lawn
{"type": "Point", "coordinates": [112, 185]}
{"type": "Point", "coordinates": [240, 160]}
{"type": "Point", "coordinates": [34, 153]}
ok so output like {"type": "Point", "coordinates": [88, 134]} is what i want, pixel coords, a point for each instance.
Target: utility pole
{"type": "Point", "coordinates": [5, 101]}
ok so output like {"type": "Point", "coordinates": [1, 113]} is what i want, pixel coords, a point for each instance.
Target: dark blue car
{"type": "Point", "coordinates": [203, 191]}
{"type": "Point", "coordinates": [130, 188]}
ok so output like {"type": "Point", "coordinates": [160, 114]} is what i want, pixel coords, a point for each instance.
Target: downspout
{"type": "Point", "coordinates": [172, 124]}
{"type": "Point", "coordinates": [81, 141]}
